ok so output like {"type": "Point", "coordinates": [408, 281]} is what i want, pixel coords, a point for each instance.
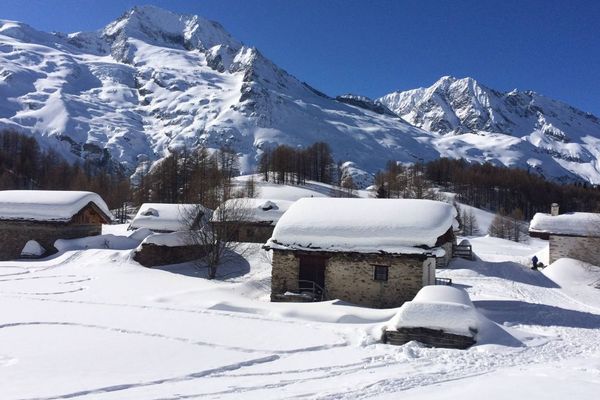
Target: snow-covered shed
{"type": "Point", "coordinates": [44, 216]}
{"type": "Point", "coordinates": [573, 235]}
{"type": "Point", "coordinates": [166, 217]}
{"type": "Point", "coordinates": [371, 252]}
{"type": "Point", "coordinates": [249, 219]}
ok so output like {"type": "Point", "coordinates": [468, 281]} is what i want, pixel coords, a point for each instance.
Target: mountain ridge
{"type": "Point", "coordinates": [152, 82]}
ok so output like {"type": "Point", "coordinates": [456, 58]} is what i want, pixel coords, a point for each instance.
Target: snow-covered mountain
{"type": "Point", "coordinates": [154, 81]}
{"type": "Point", "coordinates": [457, 107]}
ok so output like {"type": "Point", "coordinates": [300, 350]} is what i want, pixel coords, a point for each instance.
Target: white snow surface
{"type": "Point", "coordinates": [33, 248]}
{"type": "Point", "coordinates": [171, 239]}
{"type": "Point", "coordinates": [46, 205]}
{"type": "Point", "coordinates": [577, 223]}
{"type": "Point", "coordinates": [91, 323]}
{"type": "Point", "coordinates": [259, 210]}
{"type": "Point", "coordinates": [167, 217]}
{"type": "Point", "coordinates": [363, 225]}
{"type": "Point", "coordinates": [569, 272]}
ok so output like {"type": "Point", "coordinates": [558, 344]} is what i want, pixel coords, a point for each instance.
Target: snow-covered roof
{"type": "Point", "coordinates": [576, 224]}
{"type": "Point", "coordinates": [167, 217]}
{"type": "Point", "coordinates": [267, 211]}
{"type": "Point", "coordinates": [47, 205]}
{"type": "Point", "coordinates": [398, 226]}
{"type": "Point", "coordinates": [439, 307]}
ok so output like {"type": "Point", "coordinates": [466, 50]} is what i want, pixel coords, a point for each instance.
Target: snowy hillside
{"type": "Point", "coordinates": [539, 132]}
{"type": "Point", "coordinates": [154, 81]}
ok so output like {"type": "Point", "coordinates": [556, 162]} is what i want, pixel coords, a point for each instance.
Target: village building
{"type": "Point", "coordinates": [249, 219]}
{"type": "Point", "coordinates": [32, 220]}
{"type": "Point", "coordinates": [574, 235]}
{"type": "Point", "coordinates": [171, 241]}
{"type": "Point", "coordinates": [168, 217]}
{"type": "Point", "coordinates": [370, 252]}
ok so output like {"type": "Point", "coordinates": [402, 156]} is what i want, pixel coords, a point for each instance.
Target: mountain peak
{"type": "Point", "coordinates": [159, 26]}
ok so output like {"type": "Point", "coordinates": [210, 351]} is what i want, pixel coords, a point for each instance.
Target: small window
{"type": "Point", "coordinates": [380, 273]}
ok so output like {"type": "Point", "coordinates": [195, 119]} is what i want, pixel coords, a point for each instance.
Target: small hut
{"type": "Point", "coordinates": [370, 252]}
{"type": "Point", "coordinates": [171, 242]}
{"type": "Point", "coordinates": [44, 216]}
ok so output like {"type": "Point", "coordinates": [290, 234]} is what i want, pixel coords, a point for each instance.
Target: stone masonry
{"type": "Point", "coordinates": [581, 248]}
{"type": "Point", "coordinates": [349, 277]}
{"type": "Point", "coordinates": [14, 235]}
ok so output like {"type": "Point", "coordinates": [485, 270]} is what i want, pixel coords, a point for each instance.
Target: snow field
{"type": "Point", "coordinates": [91, 323]}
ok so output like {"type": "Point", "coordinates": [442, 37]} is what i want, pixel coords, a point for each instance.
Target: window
{"type": "Point", "coordinates": [380, 273]}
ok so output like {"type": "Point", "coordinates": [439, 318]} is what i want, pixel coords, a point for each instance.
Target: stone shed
{"type": "Point", "coordinates": [44, 216]}
{"type": "Point", "coordinates": [574, 235]}
{"type": "Point", "coordinates": [249, 219]}
{"type": "Point", "coordinates": [370, 252]}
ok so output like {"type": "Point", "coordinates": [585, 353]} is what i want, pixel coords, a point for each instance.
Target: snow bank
{"type": "Point", "coordinates": [32, 249]}
{"type": "Point", "coordinates": [579, 223]}
{"type": "Point", "coordinates": [97, 242]}
{"type": "Point", "coordinates": [262, 210]}
{"type": "Point", "coordinates": [363, 225]}
{"type": "Point", "coordinates": [47, 205]}
{"type": "Point", "coordinates": [449, 309]}
{"type": "Point", "coordinates": [168, 217]}
{"type": "Point", "coordinates": [570, 272]}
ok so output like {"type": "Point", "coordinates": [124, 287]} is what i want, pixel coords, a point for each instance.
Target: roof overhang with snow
{"type": "Point", "coordinates": [48, 205]}
{"type": "Point", "coordinates": [579, 224]}
{"type": "Point", "coordinates": [382, 226]}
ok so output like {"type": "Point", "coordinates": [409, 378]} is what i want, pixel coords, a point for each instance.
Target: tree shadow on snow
{"type": "Point", "coordinates": [233, 266]}
{"type": "Point", "coordinates": [508, 270]}
{"type": "Point", "coordinates": [520, 312]}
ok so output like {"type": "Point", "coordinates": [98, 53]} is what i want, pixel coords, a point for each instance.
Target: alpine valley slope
{"type": "Point", "coordinates": [153, 81]}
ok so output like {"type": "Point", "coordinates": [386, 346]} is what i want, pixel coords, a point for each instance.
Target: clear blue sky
{"type": "Point", "coordinates": [374, 47]}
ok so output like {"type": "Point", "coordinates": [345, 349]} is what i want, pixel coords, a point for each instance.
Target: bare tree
{"type": "Point", "coordinates": [219, 237]}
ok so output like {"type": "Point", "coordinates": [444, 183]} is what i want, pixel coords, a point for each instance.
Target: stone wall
{"type": "Point", "coordinates": [581, 248]}
{"type": "Point", "coordinates": [14, 235]}
{"type": "Point", "coordinates": [151, 255]}
{"type": "Point", "coordinates": [349, 277]}
{"type": "Point", "coordinates": [285, 273]}
{"type": "Point", "coordinates": [245, 232]}
{"type": "Point", "coordinates": [255, 233]}
{"type": "Point", "coordinates": [430, 337]}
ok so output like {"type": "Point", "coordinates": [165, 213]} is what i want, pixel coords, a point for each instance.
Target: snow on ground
{"type": "Point", "coordinates": [93, 324]}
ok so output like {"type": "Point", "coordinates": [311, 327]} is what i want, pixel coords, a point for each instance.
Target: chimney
{"type": "Point", "coordinates": [554, 209]}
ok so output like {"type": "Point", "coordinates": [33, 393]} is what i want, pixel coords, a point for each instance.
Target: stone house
{"type": "Point", "coordinates": [574, 235]}
{"type": "Point", "coordinates": [249, 219]}
{"type": "Point", "coordinates": [369, 252]}
{"type": "Point", "coordinates": [168, 217]}
{"type": "Point", "coordinates": [171, 242]}
{"type": "Point", "coordinates": [44, 216]}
